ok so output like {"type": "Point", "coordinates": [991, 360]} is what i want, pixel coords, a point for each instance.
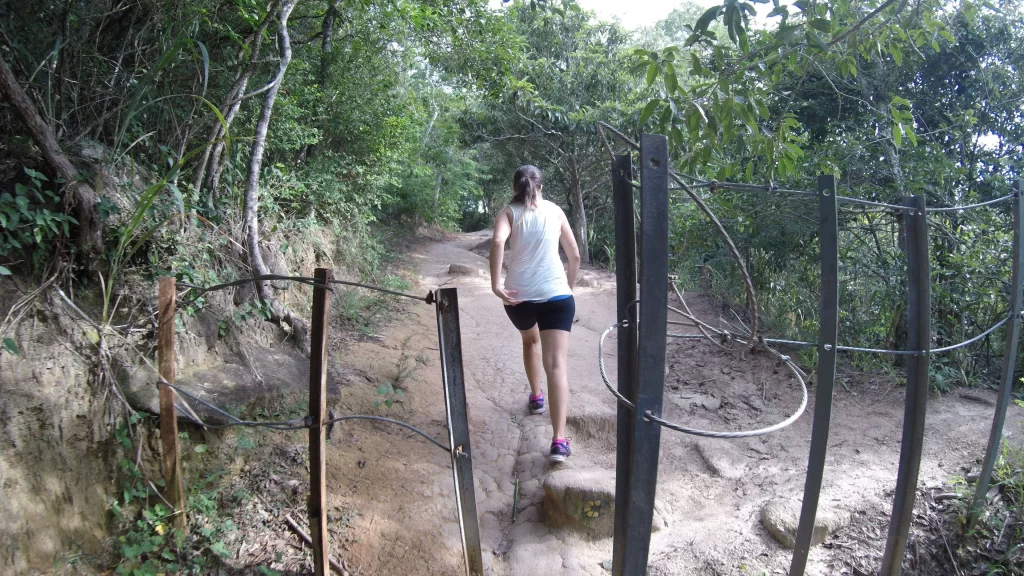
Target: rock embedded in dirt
{"type": "Point", "coordinates": [593, 425]}
{"type": "Point", "coordinates": [701, 400]}
{"type": "Point", "coordinates": [586, 280]}
{"type": "Point", "coordinates": [584, 500]}
{"type": "Point", "coordinates": [281, 369]}
{"type": "Point", "coordinates": [781, 517]}
{"type": "Point", "coordinates": [464, 270]}
{"type": "Point", "coordinates": [722, 459]}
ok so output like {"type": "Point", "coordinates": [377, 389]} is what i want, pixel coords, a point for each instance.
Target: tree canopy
{"type": "Point", "coordinates": [129, 125]}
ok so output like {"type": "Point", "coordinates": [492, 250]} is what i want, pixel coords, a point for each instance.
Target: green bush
{"type": "Point", "coordinates": [31, 219]}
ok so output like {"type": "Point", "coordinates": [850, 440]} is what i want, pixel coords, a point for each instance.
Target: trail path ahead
{"type": "Point", "coordinates": [710, 493]}
{"type": "Point", "coordinates": [508, 441]}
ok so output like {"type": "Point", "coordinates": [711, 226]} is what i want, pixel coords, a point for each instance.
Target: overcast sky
{"type": "Point", "coordinates": [637, 13]}
{"type": "Point", "coordinates": [642, 12]}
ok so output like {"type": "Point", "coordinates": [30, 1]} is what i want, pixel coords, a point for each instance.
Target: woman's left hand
{"type": "Point", "coordinates": [507, 296]}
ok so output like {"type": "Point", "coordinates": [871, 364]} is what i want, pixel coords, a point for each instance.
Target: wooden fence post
{"type": "Point", "coordinates": [318, 432]}
{"type": "Point", "coordinates": [174, 489]}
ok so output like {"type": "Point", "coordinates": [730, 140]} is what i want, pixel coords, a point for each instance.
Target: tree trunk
{"type": "Point", "coordinates": [327, 43]}
{"type": "Point", "coordinates": [77, 192]}
{"type": "Point", "coordinates": [209, 168]}
{"type": "Point", "coordinates": [579, 219]}
{"type": "Point", "coordinates": [279, 313]}
{"type": "Point", "coordinates": [326, 46]}
{"type": "Point", "coordinates": [58, 66]}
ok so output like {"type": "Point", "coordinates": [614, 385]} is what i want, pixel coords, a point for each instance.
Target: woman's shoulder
{"type": "Point", "coordinates": [551, 207]}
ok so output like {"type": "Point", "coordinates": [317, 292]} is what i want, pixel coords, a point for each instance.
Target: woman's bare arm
{"type": "Point", "coordinates": [502, 230]}
{"type": "Point", "coordinates": [572, 251]}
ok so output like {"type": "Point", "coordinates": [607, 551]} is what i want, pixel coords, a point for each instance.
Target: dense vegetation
{"type": "Point", "coordinates": [128, 127]}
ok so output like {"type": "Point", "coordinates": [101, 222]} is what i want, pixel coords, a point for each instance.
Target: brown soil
{"type": "Point", "coordinates": [391, 492]}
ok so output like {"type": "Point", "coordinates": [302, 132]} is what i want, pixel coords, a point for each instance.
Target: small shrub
{"type": "Point", "coordinates": [148, 543]}
{"type": "Point", "coordinates": [28, 226]}
{"type": "Point", "coordinates": [996, 542]}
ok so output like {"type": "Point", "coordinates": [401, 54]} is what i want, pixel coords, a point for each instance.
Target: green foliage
{"type": "Point", "coordinates": [391, 393]}
{"type": "Point", "coordinates": [828, 90]}
{"type": "Point", "coordinates": [11, 346]}
{"type": "Point", "coordinates": [571, 73]}
{"type": "Point", "coordinates": [388, 396]}
{"type": "Point", "coordinates": [363, 311]}
{"type": "Point", "coordinates": [241, 314]}
{"type": "Point", "coordinates": [148, 544]}
{"type": "Point", "coordinates": [997, 541]}
{"type": "Point", "coordinates": [730, 104]}
{"type": "Point", "coordinates": [31, 221]}
{"type": "Point", "coordinates": [417, 113]}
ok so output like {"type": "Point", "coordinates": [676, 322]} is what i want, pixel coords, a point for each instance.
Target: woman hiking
{"type": "Point", "coordinates": [537, 292]}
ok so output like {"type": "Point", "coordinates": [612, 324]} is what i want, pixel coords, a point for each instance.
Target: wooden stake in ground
{"type": "Point", "coordinates": [309, 541]}
{"type": "Point", "coordinates": [317, 431]}
{"type": "Point", "coordinates": [174, 489]}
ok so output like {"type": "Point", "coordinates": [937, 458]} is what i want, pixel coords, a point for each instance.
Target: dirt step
{"type": "Point", "coordinates": [781, 517]}
{"type": "Point", "coordinates": [464, 270]}
{"type": "Point", "coordinates": [722, 459]}
{"type": "Point", "coordinates": [584, 500]}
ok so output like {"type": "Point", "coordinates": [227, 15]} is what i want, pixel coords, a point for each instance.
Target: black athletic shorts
{"type": "Point", "coordinates": [551, 315]}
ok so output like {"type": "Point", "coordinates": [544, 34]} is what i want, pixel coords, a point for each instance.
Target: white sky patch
{"type": "Point", "coordinates": [636, 14]}
{"type": "Point", "coordinates": [989, 141]}
{"type": "Point", "coordinates": [646, 12]}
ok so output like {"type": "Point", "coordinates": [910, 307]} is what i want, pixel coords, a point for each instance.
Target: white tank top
{"type": "Point", "coordinates": [534, 269]}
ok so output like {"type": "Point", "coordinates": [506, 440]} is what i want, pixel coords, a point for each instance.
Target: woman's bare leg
{"type": "Point", "coordinates": [555, 345]}
{"type": "Point", "coordinates": [532, 358]}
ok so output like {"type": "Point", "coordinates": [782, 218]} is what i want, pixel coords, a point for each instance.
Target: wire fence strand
{"type": "Point", "coordinates": [303, 423]}
{"type": "Point", "coordinates": [972, 206]}
{"type": "Point", "coordinates": [696, 431]}
{"type": "Point", "coordinates": [409, 427]}
{"type": "Point", "coordinates": [870, 203]}
{"type": "Point", "coordinates": [972, 340]}
{"type": "Point", "coordinates": [949, 348]}
{"type": "Point", "coordinates": [200, 290]}
{"type": "Point", "coordinates": [801, 378]}
{"type": "Point", "coordinates": [233, 420]}
{"type": "Point", "coordinates": [743, 187]}
{"type": "Point", "coordinates": [604, 374]}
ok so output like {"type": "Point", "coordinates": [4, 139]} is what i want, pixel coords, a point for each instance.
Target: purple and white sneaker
{"type": "Point", "coordinates": [537, 404]}
{"type": "Point", "coordinates": [559, 450]}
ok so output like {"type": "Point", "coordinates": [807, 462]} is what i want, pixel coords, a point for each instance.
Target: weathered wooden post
{"type": "Point", "coordinates": [174, 489]}
{"type": "Point", "coordinates": [653, 318]}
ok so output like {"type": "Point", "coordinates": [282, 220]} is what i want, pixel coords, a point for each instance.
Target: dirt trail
{"type": "Point", "coordinates": [712, 491]}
